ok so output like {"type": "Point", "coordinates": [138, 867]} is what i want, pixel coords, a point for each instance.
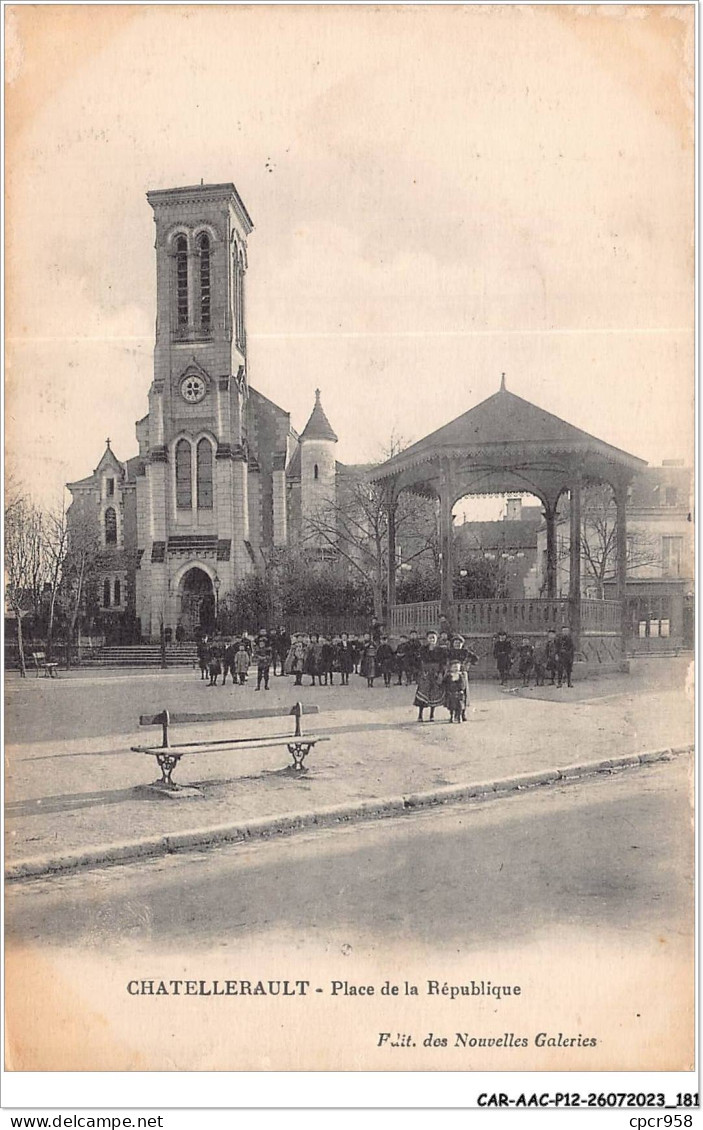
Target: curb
{"type": "Point", "coordinates": [150, 848]}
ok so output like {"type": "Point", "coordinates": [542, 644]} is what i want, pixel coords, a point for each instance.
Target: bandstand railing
{"type": "Point", "coordinates": [421, 617]}
{"type": "Point", "coordinates": [527, 617]}
{"type": "Point", "coordinates": [600, 617]}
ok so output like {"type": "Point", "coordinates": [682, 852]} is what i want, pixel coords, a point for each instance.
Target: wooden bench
{"type": "Point", "coordinates": [41, 664]}
{"type": "Point", "coordinates": [168, 755]}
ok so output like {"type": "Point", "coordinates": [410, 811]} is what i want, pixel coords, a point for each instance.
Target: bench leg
{"type": "Point", "coordinates": [299, 751]}
{"type": "Point", "coordinates": [167, 763]}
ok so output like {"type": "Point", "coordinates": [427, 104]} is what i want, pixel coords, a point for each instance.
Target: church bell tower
{"type": "Point", "coordinates": [197, 517]}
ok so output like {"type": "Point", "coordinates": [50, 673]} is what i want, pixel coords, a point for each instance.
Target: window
{"type": "Point", "coordinates": [182, 280]}
{"type": "Point", "coordinates": [316, 472]}
{"type": "Point", "coordinates": [238, 294]}
{"type": "Point", "coordinates": [118, 591]}
{"type": "Point", "coordinates": [110, 488]}
{"type": "Point", "coordinates": [184, 488]}
{"type": "Point", "coordinates": [204, 252]}
{"type": "Point", "coordinates": [106, 593]}
{"type": "Point", "coordinates": [671, 496]}
{"type": "Point", "coordinates": [672, 549]}
{"type": "Point", "coordinates": [204, 475]}
{"type": "Point", "coordinates": [110, 526]}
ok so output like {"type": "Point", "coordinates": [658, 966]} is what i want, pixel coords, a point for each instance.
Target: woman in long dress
{"type": "Point", "coordinates": [430, 689]}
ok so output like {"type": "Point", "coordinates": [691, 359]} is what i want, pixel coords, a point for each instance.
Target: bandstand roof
{"type": "Point", "coordinates": [509, 444]}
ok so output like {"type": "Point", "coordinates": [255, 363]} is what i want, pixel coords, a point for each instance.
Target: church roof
{"type": "Point", "coordinates": [519, 533]}
{"type": "Point", "coordinates": [134, 467]}
{"type": "Point", "coordinates": [88, 481]}
{"type": "Point", "coordinates": [501, 420]}
{"type": "Point", "coordinates": [202, 193]}
{"type": "Point", "coordinates": [293, 470]}
{"type": "Point", "coordinates": [318, 426]}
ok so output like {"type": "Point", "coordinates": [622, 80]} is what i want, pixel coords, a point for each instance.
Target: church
{"type": "Point", "coordinates": [220, 476]}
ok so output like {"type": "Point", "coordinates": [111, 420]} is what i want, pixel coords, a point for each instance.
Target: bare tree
{"type": "Point", "coordinates": [82, 556]}
{"type": "Point", "coordinates": [599, 539]}
{"type": "Point", "coordinates": [56, 549]}
{"type": "Point", "coordinates": [353, 526]}
{"type": "Point", "coordinates": [23, 534]}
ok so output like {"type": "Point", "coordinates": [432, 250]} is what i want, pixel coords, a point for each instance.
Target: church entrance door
{"type": "Point", "coordinates": [197, 603]}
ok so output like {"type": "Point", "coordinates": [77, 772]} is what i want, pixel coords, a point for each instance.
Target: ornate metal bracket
{"type": "Point", "coordinates": [167, 763]}
{"type": "Point", "coordinates": [299, 751]}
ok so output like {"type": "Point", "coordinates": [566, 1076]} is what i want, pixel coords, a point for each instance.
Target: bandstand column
{"type": "Point", "coordinates": [620, 490]}
{"type": "Point", "coordinates": [550, 517]}
{"type": "Point", "coordinates": [446, 499]}
{"type": "Point", "coordinates": [390, 579]}
{"type": "Point", "coordinates": [575, 559]}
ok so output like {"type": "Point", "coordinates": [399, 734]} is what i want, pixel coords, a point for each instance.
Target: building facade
{"type": "Point", "coordinates": [508, 545]}
{"type": "Point", "coordinates": [660, 555]}
{"type": "Point", "coordinates": [220, 475]}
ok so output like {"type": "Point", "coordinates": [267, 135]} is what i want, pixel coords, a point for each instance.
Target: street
{"type": "Point", "coordinates": [612, 854]}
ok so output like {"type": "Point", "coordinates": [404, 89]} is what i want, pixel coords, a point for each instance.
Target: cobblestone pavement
{"type": "Point", "coordinates": [72, 782]}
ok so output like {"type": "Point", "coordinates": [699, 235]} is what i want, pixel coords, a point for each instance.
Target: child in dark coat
{"type": "Point", "coordinates": [503, 654]}
{"type": "Point", "coordinates": [214, 667]}
{"type": "Point", "coordinates": [412, 657]}
{"type": "Point", "coordinates": [525, 661]}
{"type": "Point", "coordinates": [400, 666]}
{"type": "Point", "coordinates": [345, 658]}
{"type": "Point", "coordinates": [456, 686]}
{"type": "Point", "coordinates": [326, 662]}
{"type": "Point", "coordinates": [368, 661]}
{"type": "Point", "coordinates": [385, 660]}
{"type": "Point", "coordinates": [262, 657]}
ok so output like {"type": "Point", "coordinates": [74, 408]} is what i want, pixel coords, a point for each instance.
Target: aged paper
{"type": "Point", "coordinates": [439, 195]}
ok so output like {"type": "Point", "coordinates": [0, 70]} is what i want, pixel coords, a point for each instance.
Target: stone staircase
{"type": "Point", "coordinates": [142, 655]}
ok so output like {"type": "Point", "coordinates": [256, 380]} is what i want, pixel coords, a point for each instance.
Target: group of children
{"type": "Point", "coordinates": [438, 667]}
{"type": "Point", "coordinates": [552, 657]}
{"type": "Point", "coordinates": [443, 675]}
{"type": "Point", "coordinates": [234, 657]}
{"type": "Point", "coordinates": [371, 656]}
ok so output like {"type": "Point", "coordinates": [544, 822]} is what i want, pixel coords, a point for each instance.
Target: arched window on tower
{"type": "Point", "coordinates": [316, 472]}
{"type": "Point", "coordinates": [182, 280]}
{"type": "Point", "coordinates": [110, 526]}
{"type": "Point", "coordinates": [238, 292]}
{"type": "Point", "coordinates": [204, 458]}
{"type": "Point", "coordinates": [106, 593]}
{"type": "Point", "coordinates": [204, 253]}
{"type": "Point", "coordinates": [184, 486]}
{"type": "Point", "coordinates": [118, 592]}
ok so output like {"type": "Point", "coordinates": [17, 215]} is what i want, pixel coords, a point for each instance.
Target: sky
{"type": "Point", "coordinates": [440, 194]}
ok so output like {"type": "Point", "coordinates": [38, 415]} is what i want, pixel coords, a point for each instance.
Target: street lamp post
{"type": "Point", "coordinates": [216, 583]}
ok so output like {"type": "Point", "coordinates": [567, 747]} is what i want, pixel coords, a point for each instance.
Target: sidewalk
{"type": "Point", "coordinates": [75, 796]}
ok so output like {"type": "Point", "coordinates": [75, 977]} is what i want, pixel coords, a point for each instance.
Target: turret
{"type": "Point", "coordinates": [318, 465]}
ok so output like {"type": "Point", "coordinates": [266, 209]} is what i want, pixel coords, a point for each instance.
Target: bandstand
{"type": "Point", "coordinates": [506, 444]}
